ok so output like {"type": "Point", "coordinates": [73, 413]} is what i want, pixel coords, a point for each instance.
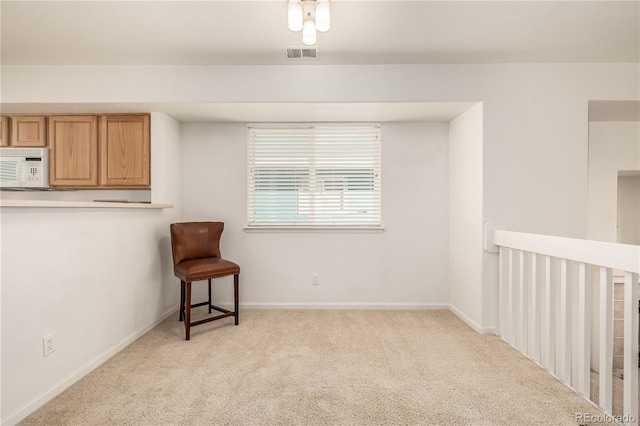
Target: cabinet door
{"type": "Point", "coordinates": [28, 130]}
{"type": "Point", "coordinates": [4, 130]}
{"type": "Point", "coordinates": [73, 143]}
{"type": "Point", "coordinates": [125, 151]}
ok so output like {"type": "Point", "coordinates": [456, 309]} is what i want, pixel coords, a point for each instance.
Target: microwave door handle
{"type": "Point", "coordinates": [19, 178]}
{"type": "Point", "coordinates": [23, 173]}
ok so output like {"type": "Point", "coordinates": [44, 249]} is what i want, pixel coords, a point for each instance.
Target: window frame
{"type": "Point", "coordinates": [312, 169]}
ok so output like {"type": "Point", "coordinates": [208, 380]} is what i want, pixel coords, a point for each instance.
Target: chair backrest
{"type": "Point", "coordinates": [195, 240]}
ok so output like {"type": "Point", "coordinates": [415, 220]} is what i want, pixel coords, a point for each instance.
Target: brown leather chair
{"type": "Point", "coordinates": [196, 257]}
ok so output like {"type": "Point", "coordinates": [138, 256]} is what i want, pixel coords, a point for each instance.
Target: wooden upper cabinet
{"type": "Point", "coordinates": [125, 151]}
{"type": "Point", "coordinates": [4, 130]}
{"type": "Point", "coordinates": [88, 151]}
{"type": "Point", "coordinates": [73, 156]}
{"type": "Point", "coordinates": [28, 130]}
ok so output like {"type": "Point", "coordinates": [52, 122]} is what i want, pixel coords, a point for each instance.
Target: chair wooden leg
{"type": "Point", "coordinates": [209, 295]}
{"type": "Point", "coordinates": [187, 312]}
{"type": "Point", "coordinates": [235, 296]}
{"type": "Point", "coordinates": [181, 314]}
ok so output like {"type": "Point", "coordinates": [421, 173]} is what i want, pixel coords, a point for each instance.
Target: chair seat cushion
{"type": "Point", "coordinates": [202, 269]}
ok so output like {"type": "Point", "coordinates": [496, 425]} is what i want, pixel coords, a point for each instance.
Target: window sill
{"type": "Point", "coordinates": [314, 229]}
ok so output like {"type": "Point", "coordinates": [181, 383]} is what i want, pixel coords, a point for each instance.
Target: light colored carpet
{"type": "Point", "coordinates": [317, 367]}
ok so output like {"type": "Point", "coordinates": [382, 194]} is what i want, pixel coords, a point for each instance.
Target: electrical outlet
{"type": "Point", "coordinates": [315, 279]}
{"type": "Point", "coordinates": [48, 344]}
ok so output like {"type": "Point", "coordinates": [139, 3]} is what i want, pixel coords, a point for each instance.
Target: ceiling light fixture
{"type": "Point", "coordinates": [309, 16]}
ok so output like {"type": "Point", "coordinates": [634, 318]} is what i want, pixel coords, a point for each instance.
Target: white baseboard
{"type": "Point", "coordinates": [471, 323]}
{"type": "Point", "coordinates": [64, 383]}
{"type": "Point", "coordinates": [355, 306]}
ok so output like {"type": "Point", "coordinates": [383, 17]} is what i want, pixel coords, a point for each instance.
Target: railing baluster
{"type": "Point", "coordinates": [584, 329]}
{"type": "Point", "coordinates": [630, 385]}
{"type": "Point", "coordinates": [548, 323]}
{"type": "Point", "coordinates": [522, 306]}
{"type": "Point", "coordinates": [511, 293]}
{"type": "Point", "coordinates": [564, 322]}
{"type": "Point", "coordinates": [501, 293]}
{"type": "Point", "coordinates": [535, 317]}
{"type": "Point", "coordinates": [606, 340]}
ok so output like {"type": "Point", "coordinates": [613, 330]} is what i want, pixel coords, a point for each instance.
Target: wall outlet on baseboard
{"type": "Point", "coordinates": [315, 279]}
{"type": "Point", "coordinates": [48, 344]}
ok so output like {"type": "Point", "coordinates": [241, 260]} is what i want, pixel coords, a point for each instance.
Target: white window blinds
{"type": "Point", "coordinates": [320, 176]}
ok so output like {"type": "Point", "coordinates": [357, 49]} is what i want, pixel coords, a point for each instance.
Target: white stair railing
{"type": "Point", "coordinates": [540, 305]}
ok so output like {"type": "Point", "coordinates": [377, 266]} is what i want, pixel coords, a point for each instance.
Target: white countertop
{"type": "Point", "coordinates": [81, 204]}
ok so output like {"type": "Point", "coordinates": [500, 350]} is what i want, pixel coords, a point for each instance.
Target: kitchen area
{"type": "Point", "coordinates": [98, 158]}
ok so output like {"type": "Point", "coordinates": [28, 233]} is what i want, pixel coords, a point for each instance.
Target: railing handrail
{"type": "Point", "coordinates": [625, 257]}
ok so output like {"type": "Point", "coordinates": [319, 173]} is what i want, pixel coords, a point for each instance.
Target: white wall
{"type": "Point", "coordinates": [629, 209]}
{"type": "Point", "coordinates": [466, 216]}
{"type": "Point", "coordinates": [535, 118]}
{"type": "Point", "coordinates": [405, 266]}
{"type": "Point", "coordinates": [535, 115]}
{"type": "Point", "coordinates": [97, 278]}
{"type": "Point", "coordinates": [613, 146]}
{"type": "Point", "coordinates": [535, 147]}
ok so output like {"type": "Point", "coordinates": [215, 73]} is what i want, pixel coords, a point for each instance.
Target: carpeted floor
{"type": "Point", "coordinates": [317, 367]}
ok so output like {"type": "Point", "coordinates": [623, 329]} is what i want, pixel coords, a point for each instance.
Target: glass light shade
{"type": "Point", "coordinates": [294, 16]}
{"type": "Point", "coordinates": [323, 16]}
{"type": "Point", "coordinates": [309, 33]}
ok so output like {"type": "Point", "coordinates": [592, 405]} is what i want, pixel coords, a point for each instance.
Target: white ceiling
{"type": "Point", "coordinates": [362, 32]}
{"type": "Point", "coordinates": [243, 32]}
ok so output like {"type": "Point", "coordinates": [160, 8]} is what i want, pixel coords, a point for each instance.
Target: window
{"type": "Point", "coordinates": [316, 176]}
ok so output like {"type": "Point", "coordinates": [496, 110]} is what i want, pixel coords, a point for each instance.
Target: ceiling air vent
{"type": "Point", "coordinates": [301, 52]}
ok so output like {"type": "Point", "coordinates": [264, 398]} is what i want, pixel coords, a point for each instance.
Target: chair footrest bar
{"type": "Point", "coordinates": [213, 318]}
{"type": "Point", "coordinates": [219, 309]}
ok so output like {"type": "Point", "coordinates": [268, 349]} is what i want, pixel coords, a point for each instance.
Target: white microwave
{"type": "Point", "coordinates": [24, 168]}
